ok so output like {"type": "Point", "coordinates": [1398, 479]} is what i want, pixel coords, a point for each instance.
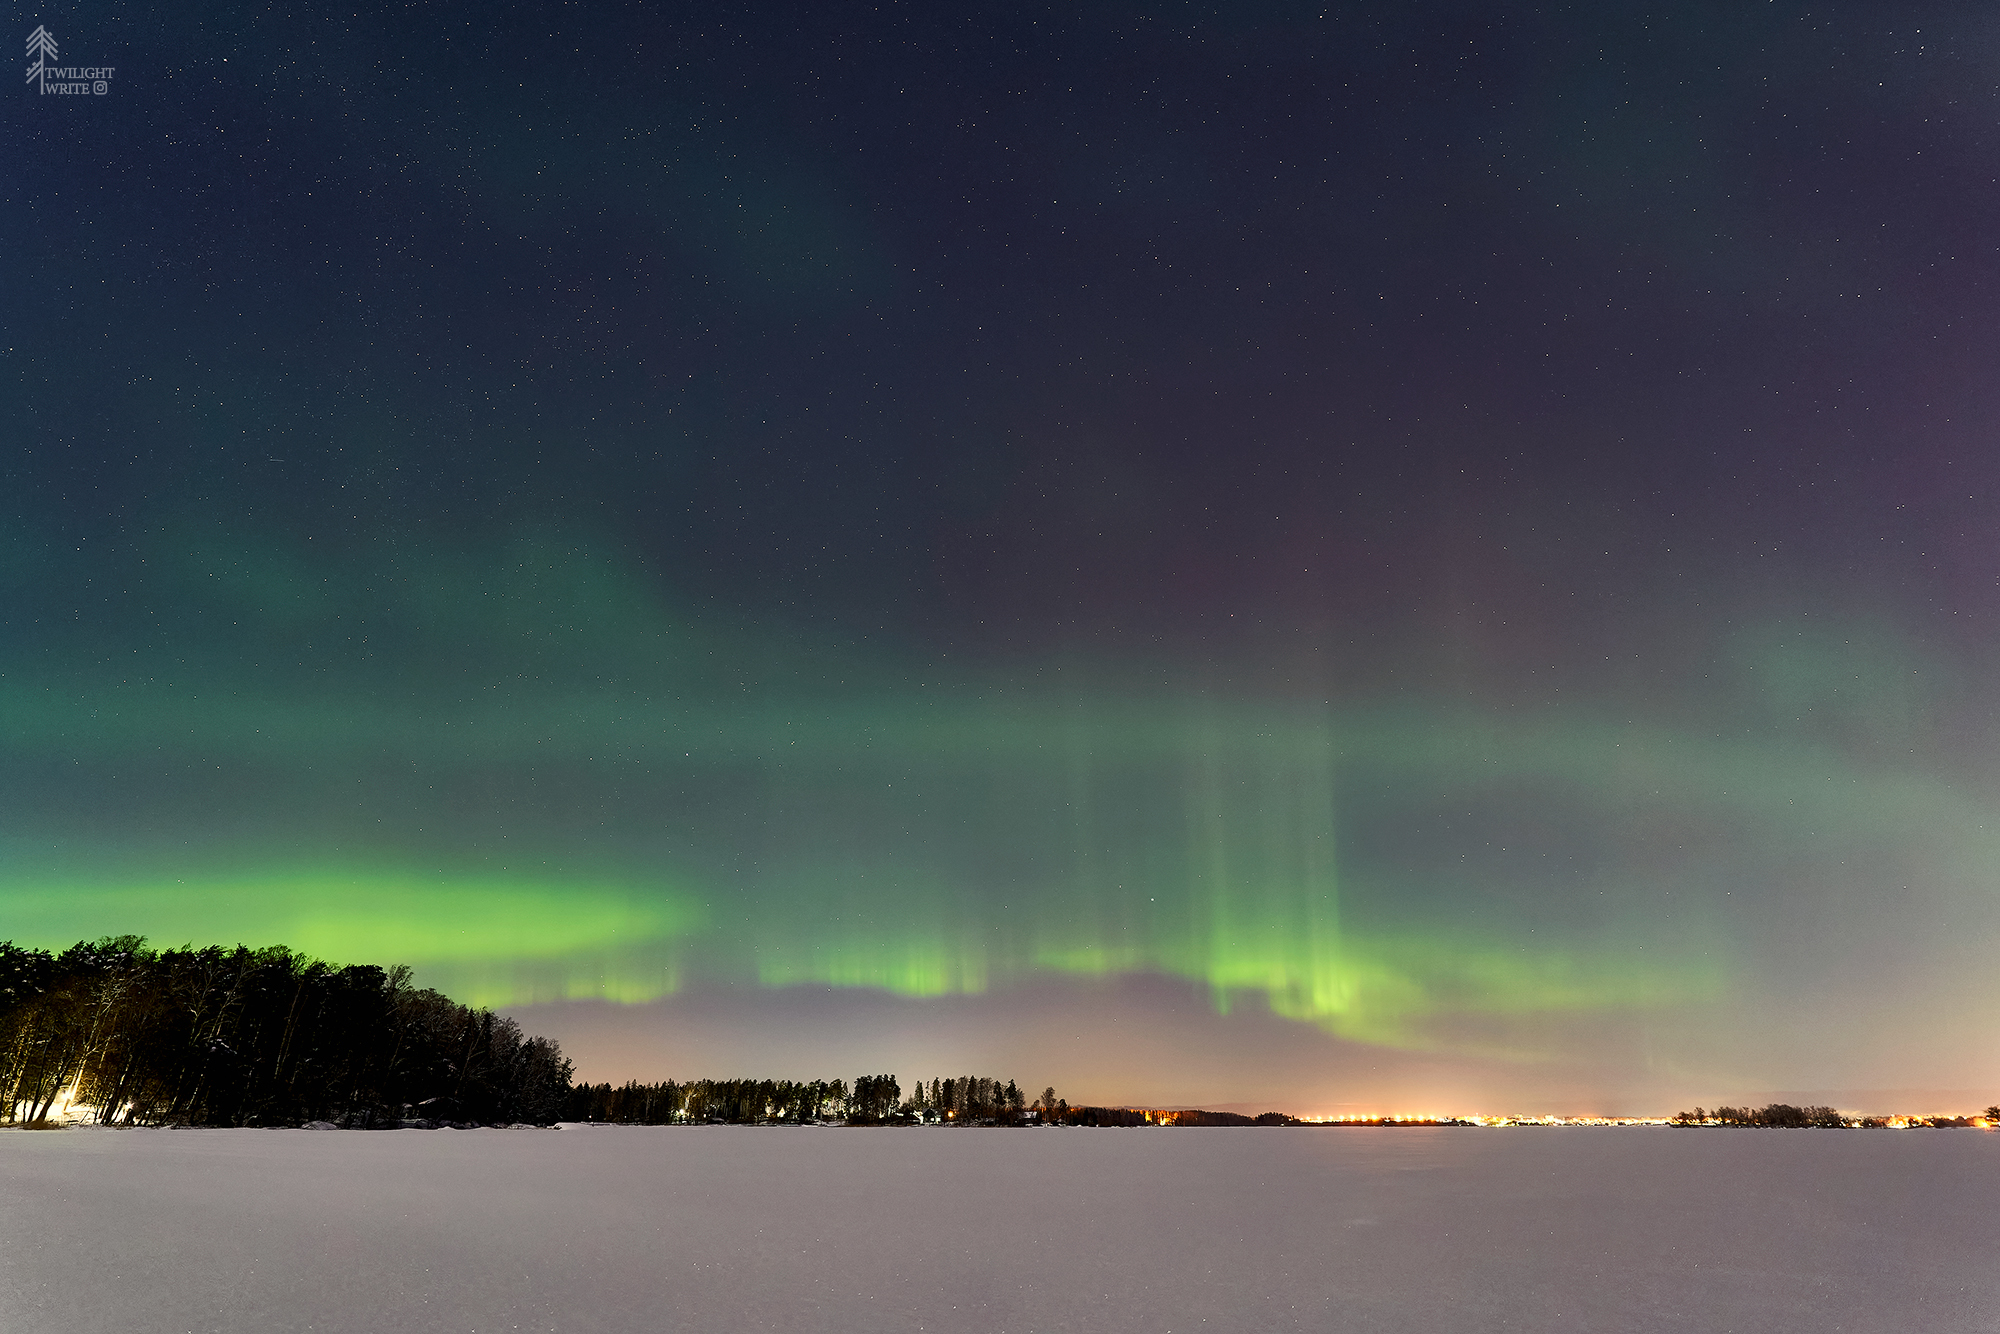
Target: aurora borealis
{"type": "Point", "coordinates": [1338, 556]}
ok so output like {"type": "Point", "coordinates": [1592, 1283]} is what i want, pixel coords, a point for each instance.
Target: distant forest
{"type": "Point", "coordinates": [242, 1037]}
{"type": "Point", "coordinates": [972, 1100]}
{"type": "Point", "coordinates": [1784, 1116]}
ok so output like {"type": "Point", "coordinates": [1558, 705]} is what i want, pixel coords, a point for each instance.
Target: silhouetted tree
{"type": "Point", "coordinates": [217, 1036]}
{"type": "Point", "coordinates": [874, 1097]}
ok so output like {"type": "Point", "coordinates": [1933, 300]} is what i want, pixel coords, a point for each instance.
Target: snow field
{"type": "Point", "coordinates": [796, 1229]}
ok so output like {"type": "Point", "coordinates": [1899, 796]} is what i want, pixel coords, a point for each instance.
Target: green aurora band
{"type": "Point", "coordinates": [548, 787]}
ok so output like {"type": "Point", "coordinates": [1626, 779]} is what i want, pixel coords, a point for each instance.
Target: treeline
{"type": "Point", "coordinates": [123, 1034]}
{"type": "Point", "coordinates": [971, 1100]}
{"type": "Point", "coordinates": [1780, 1115]}
{"type": "Point", "coordinates": [1169, 1116]}
{"type": "Point", "coordinates": [1784, 1116]}
{"type": "Point", "coordinates": [872, 1099]}
{"type": "Point", "coordinates": [711, 1102]}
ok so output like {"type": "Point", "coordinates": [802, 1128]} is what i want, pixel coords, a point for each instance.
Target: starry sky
{"type": "Point", "coordinates": [1369, 557]}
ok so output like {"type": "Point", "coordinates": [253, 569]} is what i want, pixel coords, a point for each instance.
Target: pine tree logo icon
{"type": "Point", "coordinates": [42, 47]}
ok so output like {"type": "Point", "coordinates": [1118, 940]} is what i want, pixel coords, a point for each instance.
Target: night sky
{"type": "Point", "coordinates": [1396, 557]}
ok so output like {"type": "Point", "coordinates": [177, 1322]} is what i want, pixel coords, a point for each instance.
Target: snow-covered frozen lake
{"type": "Point", "coordinates": [807, 1229]}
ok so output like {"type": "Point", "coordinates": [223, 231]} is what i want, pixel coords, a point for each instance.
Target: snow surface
{"type": "Point", "coordinates": [806, 1229]}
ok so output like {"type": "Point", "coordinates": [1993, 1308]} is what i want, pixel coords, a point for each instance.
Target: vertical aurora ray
{"type": "Point", "coordinates": [729, 809]}
{"type": "Point", "coordinates": [970, 844]}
